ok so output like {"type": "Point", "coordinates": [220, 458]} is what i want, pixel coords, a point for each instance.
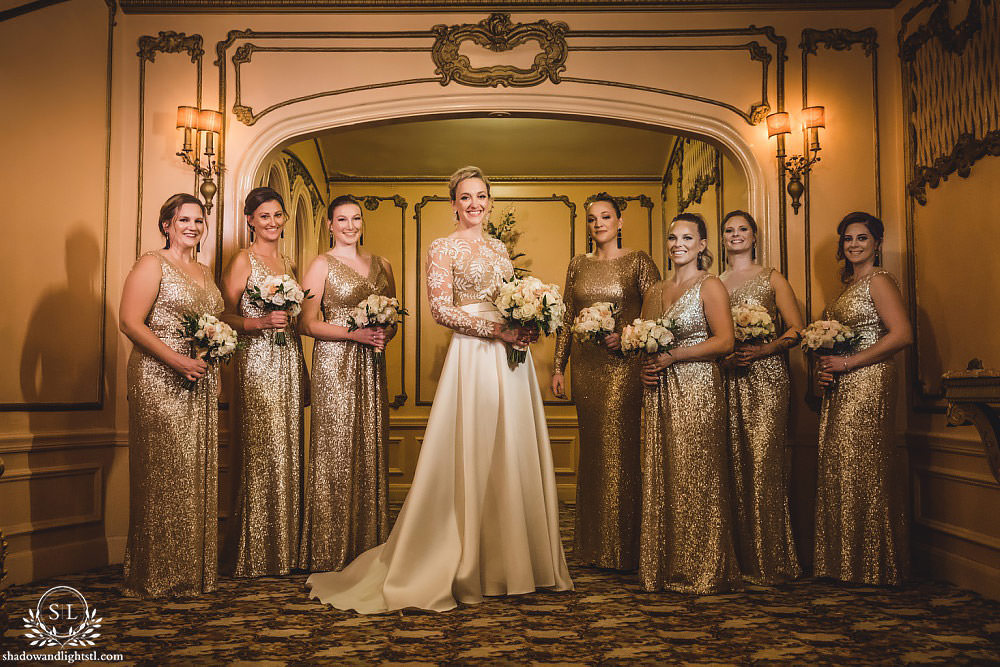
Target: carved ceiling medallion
{"type": "Point", "coordinates": [498, 34]}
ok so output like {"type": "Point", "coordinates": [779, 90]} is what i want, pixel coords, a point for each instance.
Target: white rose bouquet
{"type": "Point", "coordinates": [531, 304]}
{"type": "Point", "coordinates": [595, 322]}
{"type": "Point", "coordinates": [211, 339]}
{"type": "Point", "coordinates": [376, 311]}
{"type": "Point", "coordinates": [829, 337]}
{"type": "Point", "coordinates": [649, 336]}
{"type": "Point", "coordinates": [279, 293]}
{"type": "Point", "coordinates": [753, 324]}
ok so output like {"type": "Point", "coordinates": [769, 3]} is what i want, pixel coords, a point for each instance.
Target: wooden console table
{"type": "Point", "coordinates": [973, 397]}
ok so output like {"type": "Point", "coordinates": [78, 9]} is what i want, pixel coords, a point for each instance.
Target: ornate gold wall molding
{"type": "Point", "coordinates": [951, 94]}
{"type": "Point", "coordinates": [837, 39]}
{"type": "Point", "coordinates": [699, 171]}
{"type": "Point", "coordinates": [102, 327]}
{"type": "Point", "coordinates": [295, 168]}
{"type": "Point", "coordinates": [419, 272]}
{"type": "Point", "coordinates": [498, 34]}
{"type": "Point", "coordinates": [169, 42]}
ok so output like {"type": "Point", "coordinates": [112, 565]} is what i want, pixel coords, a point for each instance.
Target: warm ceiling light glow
{"type": "Point", "coordinates": [210, 121]}
{"type": "Point", "coordinates": [778, 123]}
{"type": "Point", "coordinates": [187, 117]}
{"type": "Point", "coordinates": [814, 117]}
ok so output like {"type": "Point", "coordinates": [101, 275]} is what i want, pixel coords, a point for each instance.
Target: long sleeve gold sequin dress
{"type": "Point", "coordinates": [861, 519]}
{"type": "Point", "coordinates": [481, 516]}
{"type": "Point", "coordinates": [347, 488]}
{"type": "Point", "coordinates": [685, 541]}
{"type": "Point", "coordinates": [172, 546]}
{"type": "Point", "coordinates": [757, 401]}
{"type": "Point", "coordinates": [270, 379]}
{"type": "Point", "coordinates": [608, 397]}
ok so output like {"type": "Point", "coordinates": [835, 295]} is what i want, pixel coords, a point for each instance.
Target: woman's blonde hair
{"type": "Point", "coordinates": [463, 174]}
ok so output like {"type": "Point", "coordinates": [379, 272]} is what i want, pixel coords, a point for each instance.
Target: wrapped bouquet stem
{"type": "Point", "coordinates": [279, 293]}
{"type": "Point", "coordinates": [528, 303]}
{"type": "Point", "coordinates": [211, 339]}
{"type": "Point", "coordinates": [376, 311]}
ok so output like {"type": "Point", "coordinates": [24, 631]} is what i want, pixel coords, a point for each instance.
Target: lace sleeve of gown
{"type": "Point", "coordinates": [647, 274]}
{"type": "Point", "coordinates": [564, 339]}
{"type": "Point", "coordinates": [440, 294]}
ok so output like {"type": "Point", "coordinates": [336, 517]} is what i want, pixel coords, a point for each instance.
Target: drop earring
{"type": "Point", "coordinates": [197, 248]}
{"type": "Point", "coordinates": [251, 233]}
{"type": "Point", "coordinates": [282, 233]}
{"type": "Point", "coordinates": [619, 238]}
{"type": "Point", "coordinates": [878, 258]}
{"type": "Point", "coordinates": [590, 243]}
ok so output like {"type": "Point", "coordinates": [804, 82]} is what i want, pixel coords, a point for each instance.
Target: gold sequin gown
{"type": "Point", "coordinates": [481, 517]}
{"type": "Point", "coordinates": [861, 522]}
{"type": "Point", "coordinates": [347, 488]}
{"type": "Point", "coordinates": [757, 398]}
{"type": "Point", "coordinates": [270, 378]}
{"type": "Point", "coordinates": [608, 397]}
{"type": "Point", "coordinates": [685, 542]}
{"type": "Point", "coordinates": [172, 546]}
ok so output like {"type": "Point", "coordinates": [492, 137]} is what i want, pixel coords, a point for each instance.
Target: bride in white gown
{"type": "Point", "coordinates": [481, 516]}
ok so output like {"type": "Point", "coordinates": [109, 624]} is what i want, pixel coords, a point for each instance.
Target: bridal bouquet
{"type": "Point", "coordinates": [278, 293]}
{"type": "Point", "coordinates": [211, 339]}
{"type": "Point", "coordinates": [595, 322]}
{"type": "Point", "coordinates": [828, 336]}
{"type": "Point", "coordinates": [649, 336]}
{"type": "Point", "coordinates": [529, 303]}
{"type": "Point", "coordinates": [376, 311]}
{"type": "Point", "coordinates": [753, 324]}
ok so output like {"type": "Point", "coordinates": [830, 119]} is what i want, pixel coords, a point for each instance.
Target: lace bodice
{"type": "Point", "coordinates": [461, 272]}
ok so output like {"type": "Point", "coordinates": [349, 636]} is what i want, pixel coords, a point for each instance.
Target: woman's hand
{"type": "Point", "coordinates": [276, 319]}
{"type": "Point", "coordinates": [744, 354]}
{"type": "Point", "coordinates": [558, 385]}
{"type": "Point", "coordinates": [374, 336]}
{"type": "Point", "coordinates": [827, 367]}
{"type": "Point", "coordinates": [613, 341]}
{"type": "Point", "coordinates": [654, 366]}
{"type": "Point", "coordinates": [188, 368]}
{"type": "Point", "coordinates": [518, 336]}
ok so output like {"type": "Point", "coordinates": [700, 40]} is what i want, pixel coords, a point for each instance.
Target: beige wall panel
{"type": "Point", "coordinates": [56, 136]}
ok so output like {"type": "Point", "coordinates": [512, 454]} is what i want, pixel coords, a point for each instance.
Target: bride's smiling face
{"type": "Point", "coordinates": [472, 202]}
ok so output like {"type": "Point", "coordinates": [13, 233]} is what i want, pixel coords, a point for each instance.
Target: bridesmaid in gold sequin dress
{"type": "Point", "coordinates": [264, 533]}
{"type": "Point", "coordinates": [686, 540]}
{"type": "Point", "coordinates": [757, 397]}
{"type": "Point", "coordinates": [347, 489]}
{"type": "Point", "coordinates": [607, 393]}
{"type": "Point", "coordinates": [861, 516]}
{"type": "Point", "coordinates": [173, 432]}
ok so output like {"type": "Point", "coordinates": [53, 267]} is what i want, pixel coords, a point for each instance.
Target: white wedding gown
{"type": "Point", "coordinates": [481, 517]}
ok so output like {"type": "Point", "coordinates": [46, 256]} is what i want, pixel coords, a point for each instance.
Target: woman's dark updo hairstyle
{"type": "Point", "coordinates": [750, 221]}
{"type": "Point", "coordinates": [170, 208]}
{"type": "Point", "coordinates": [605, 197]}
{"type": "Point", "coordinates": [340, 201]}
{"type": "Point", "coordinates": [875, 228]}
{"type": "Point", "coordinates": [259, 196]}
{"type": "Point", "coordinates": [704, 257]}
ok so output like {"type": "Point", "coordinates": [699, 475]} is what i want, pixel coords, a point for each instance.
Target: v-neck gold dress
{"type": "Point", "coordinates": [270, 392]}
{"type": "Point", "coordinates": [173, 438]}
{"type": "Point", "coordinates": [686, 536]}
{"type": "Point", "coordinates": [347, 490]}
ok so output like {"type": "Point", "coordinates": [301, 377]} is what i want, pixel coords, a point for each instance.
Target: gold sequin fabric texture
{"type": "Point", "coordinates": [757, 398]}
{"type": "Point", "coordinates": [347, 492]}
{"type": "Point", "coordinates": [172, 542]}
{"type": "Point", "coordinates": [861, 523]}
{"type": "Point", "coordinates": [264, 537]}
{"type": "Point", "coordinates": [608, 396]}
{"type": "Point", "coordinates": [685, 541]}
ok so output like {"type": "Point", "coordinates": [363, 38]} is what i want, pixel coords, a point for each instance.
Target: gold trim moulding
{"type": "Point", "coordinates": [387, 6]}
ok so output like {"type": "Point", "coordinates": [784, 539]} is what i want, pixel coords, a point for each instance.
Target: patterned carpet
{"type": "Point", "coordinates": [607, 621]}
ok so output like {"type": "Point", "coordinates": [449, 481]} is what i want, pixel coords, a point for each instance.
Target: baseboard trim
{"type": "Point", "coordinates": [26, 566]}
{"type": "Point", "coordinates": [956, 569]}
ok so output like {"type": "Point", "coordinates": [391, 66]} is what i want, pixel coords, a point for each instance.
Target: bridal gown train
{"type": "Point", "coordinates": [481, 517]}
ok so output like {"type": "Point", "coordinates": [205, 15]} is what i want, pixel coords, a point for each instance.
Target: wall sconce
{"type": "Point", "coordinates": [779, 124]}
{"type": "Point", "coordinates": [192, 119]}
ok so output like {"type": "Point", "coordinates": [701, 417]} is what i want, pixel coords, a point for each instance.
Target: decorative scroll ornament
{"type": "Point", "coordinates": [839, 39]}
{"type": "Point", "coordinates": [170, 42]}
{"type": "Point", "coordinates": [498, 34]}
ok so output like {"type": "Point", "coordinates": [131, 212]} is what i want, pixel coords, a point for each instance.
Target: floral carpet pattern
{"type": "Point", "coordinates": [608, 620]}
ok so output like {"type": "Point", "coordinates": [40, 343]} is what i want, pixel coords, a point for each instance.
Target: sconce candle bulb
{"type": "Point", "coordinates": [210, 122]}
{"type": "Point", "coordinates": [796, 166]}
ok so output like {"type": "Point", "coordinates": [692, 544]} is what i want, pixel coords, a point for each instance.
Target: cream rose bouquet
{"type": "Point", "coordinates": [595, 322]}
{"type": "Point", "coordinates": [529, 303]}
{"type": "Point", "coordinates": [278, 293]}
{"type": "Point", "coordinates": [211, 339]}
{"type": "Point", "coordinates": [649, 336]}
{"type": "Point", "coordinates": [753, 324]}
{"type": "Point", "coordinates": [829, 337]}
{"type": "Point", "coordinates": [377, 310]}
